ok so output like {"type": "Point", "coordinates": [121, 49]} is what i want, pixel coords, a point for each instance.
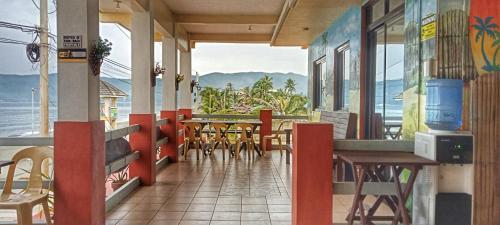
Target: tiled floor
{"type": "Point", "coordinates": [213, 192]}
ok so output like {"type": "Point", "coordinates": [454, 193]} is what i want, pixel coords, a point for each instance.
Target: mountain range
{"type": "Point", "coordinates": [18, 88]}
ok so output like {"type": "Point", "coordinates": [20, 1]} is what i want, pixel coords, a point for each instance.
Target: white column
{"type": "Point", "coordinates": [185, 85]}
{"type": "Point", "coordinates": [169, 58]}
{"type": "Point", "coordinates": [142, 35]}
{"type": "Point", "coordinates": [78, 87]}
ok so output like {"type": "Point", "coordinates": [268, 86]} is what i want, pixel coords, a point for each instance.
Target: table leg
{"type": "Point", "coordinates": [358, 197]}
{"type": "Point", "coordinates": [403, 196]}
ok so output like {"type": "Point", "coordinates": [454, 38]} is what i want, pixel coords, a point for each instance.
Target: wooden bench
{"type": "Point", "coordinates": [344, 124]}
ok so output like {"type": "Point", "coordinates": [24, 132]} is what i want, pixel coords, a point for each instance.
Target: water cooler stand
{"type": "Point", "coordinates": [442, 195]}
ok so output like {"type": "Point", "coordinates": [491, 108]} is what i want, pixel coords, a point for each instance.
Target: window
{"type": "Point", "coordinates": [385, 70]}
{"type": "Point", "coordinates": [342, 74]}
{"type": "Point", "coordinates": [319, 87]}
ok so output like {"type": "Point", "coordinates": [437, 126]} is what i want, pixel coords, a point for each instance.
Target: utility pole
{"type": "Point", "coordinates": [44, 68]}
{"type": "Point", "coordinates": [33, 111]}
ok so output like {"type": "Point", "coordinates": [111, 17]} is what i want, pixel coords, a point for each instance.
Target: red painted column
{"type": "Point", "coordinates": [79, 161]}
{"type": "Point", "coordinates": [266, 116]}
{"type": "Point", "coordinates": [312, 176]}
{"type": "Point", "coordinates": [170, 131]}
{"type": "Point", "coordinates": [188, 114]}
{"type": "Point", "coordinates": [144, 141]}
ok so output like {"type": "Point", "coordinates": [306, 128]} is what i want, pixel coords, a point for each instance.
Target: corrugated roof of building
{"type": "Point", "coordinates": [109, 90]}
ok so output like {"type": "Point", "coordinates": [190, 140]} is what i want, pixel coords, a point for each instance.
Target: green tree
{"type": "Point", "coordinates": [290, 86]}
{"type": "Point", "coordinates": [210, 100]}
{"type": "Point", "coordinates": [262, 87]}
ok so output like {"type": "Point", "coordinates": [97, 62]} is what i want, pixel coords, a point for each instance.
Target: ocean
{"type": "Point", "coordinates": [16, 117]}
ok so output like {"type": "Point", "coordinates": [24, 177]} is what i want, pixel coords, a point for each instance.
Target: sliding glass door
{"type": "Point", "coordinates": [385, 73]}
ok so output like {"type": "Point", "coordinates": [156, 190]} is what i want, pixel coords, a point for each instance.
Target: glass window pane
{"type": "Point", "coordinates": [323, 85]}
{"type": "Point", "coordinates": [377, 10]}
{"type": "Point", "coordinates": [379, 72]}
{"type": "Point", "coordinates": [394, 76]}
{"type": "Point", "coordinates": [347, 72]}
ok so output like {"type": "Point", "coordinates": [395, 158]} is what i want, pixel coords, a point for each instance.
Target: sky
{"type": "Point", "coordinates": [206, 57]}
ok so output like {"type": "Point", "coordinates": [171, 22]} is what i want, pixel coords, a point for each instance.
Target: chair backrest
{"type": "Point", "coordinates": [220, 130]}
{"type": "Point", "coordinates": [246, 130]}
{"type": "Point", "coordinates": [192, 130]}
{"type": "Point", "coordinates": [280, 128]}
{"type": "Point", "coordinates": [37, 155]}
{"type": "Point", "coordinates": [344, 123]}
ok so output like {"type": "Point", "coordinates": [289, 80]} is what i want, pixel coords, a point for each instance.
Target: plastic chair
{"type": "Point", "coordinates": [275, 136]}
{"type": "Point", "coordinates": [219, 138]}
{"type": "Point", "coordinates": [192, 136]}
{"type": "Point", "coordinates": [34, 193]}
{"type": "Point", "coordinates": [245, 138]}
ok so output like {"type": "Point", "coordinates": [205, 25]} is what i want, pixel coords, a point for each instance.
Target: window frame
{"type": "Point", "coordinates": [339, 76]}
{"type": "Point", "coordinates": [317, 92]}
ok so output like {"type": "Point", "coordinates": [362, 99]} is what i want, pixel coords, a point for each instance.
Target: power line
{"type": "Point", "coordinates": [53, 1]}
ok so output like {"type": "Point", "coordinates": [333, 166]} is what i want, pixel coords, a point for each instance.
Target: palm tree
{"type": "Point", "coordinates": [484, 27]}
{"type": "Point", "coordinates": [210, 100]}
{"type": "Point", "coordinates": [497, 44]}
{"type": "Point", "coordinates": [290, 85]}
{"type": "Point", "coordinates": [262, 87]}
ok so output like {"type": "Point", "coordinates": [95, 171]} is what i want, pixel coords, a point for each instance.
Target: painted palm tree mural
{"type": "Point", "coordinates": [486, 28]}
{"type": "Point", "coordinates": [485, 35]}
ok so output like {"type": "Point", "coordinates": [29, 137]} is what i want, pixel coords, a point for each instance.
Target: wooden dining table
{"type": "Point", "coordinates": [387, 167]}
{"type": "Point", "coordinates": [256, 124]}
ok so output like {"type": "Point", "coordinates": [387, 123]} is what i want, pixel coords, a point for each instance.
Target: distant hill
{"type": "Point", "coordinates": [243, 79]}
{"type": "Point", "coordinates": [17, 88]}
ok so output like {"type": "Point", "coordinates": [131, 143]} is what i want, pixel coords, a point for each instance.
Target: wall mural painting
{"type": "Point", "coordinates": [485, 35]}
{"type": "Point", "coordinates": [347, 28]}
{"type": "Point", "coordinates": [413, 85]}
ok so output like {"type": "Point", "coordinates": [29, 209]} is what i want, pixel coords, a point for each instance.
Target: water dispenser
{"type": "Point", "coordinates": [442, 195]}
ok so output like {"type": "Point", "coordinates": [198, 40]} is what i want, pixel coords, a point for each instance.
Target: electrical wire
{"type": "Point", "coordinates": [53, 1]}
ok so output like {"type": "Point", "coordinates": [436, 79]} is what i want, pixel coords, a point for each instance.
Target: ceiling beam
{"type": "Point", "coordinates": [287, 6]}
{"type": "Point", "coordinates": [124, 19]}
{"type": "Point", "coordinates": [230, 38]}
{"type": "Point", "coordinates": [164, 17]}
{"type": "Point", "coordinates": [225, 19]}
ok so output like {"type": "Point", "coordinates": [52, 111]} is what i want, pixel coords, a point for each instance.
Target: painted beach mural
{"type": "Point", "coordinates": [485, 35]}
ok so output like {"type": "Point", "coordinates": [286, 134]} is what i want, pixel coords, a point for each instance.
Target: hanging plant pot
{"type": "Point", "coordinates": [96, 66]}
{"type": "Point", "coordinates": [178, 78]}
{"type": "Point", "coordinates": [100, 50]}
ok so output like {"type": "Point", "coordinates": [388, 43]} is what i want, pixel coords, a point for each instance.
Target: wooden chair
{"type": "Point", "coordinates": [192, 137]}
{"type": "Point", "coordinates": [219, 138]}
{"type": "Point", "coordinates": [34, 193]}
{"type": "Point", "coordinates": [245, 138]}
{"type": "Point", "coordinates": [276, 136]}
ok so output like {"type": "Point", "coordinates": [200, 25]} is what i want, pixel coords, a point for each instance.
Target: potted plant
{"type": "Point", "coordinates": [193, 84]}
{"type": "Point", "coordinates": [100, 50]}
{"type": "Point", "coordinates": [118, 179]}
{"type": "Point", "coordinates": [178, 79]}
{"type": "Point", "coordinates": [156, 71]}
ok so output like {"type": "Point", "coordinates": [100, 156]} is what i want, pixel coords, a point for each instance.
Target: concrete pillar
{"type": "Point", "coordinates": [169, 58]}
{"type": "Point", "coordinates": [142, 35]}
{"type": "Point", "coordinates": [169, 98]}
{"type": "Point", "coordinates": [78, 134]}
{"type": "Point", "coordinates": [185, 85]}
{"type": "Point", "coordinates": [144, 141]}
{"type": "Point", "coordinates": [312, 176]}
{"type": "Point", "coordinates": [266, 129]}
{"type": "Point", "coordinates": [143, 104]}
